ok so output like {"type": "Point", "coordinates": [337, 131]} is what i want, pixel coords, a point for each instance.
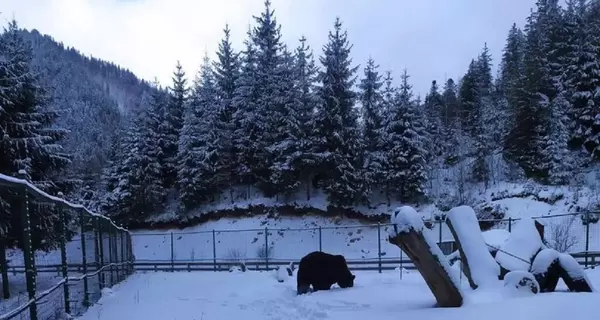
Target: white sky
{"type": "Point", "coordinates": [433, 39]}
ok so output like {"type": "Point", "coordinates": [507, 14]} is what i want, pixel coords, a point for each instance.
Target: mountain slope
{"type": "Point", "coordinates": [93, 97]}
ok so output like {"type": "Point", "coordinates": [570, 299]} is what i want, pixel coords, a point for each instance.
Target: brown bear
{"type": "Point", "coordinates": [321, 270]}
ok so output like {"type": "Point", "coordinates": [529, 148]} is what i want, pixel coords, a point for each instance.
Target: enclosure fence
{"type": "Point", "coordinates": [364, 246]}
{"type": "Point", "coordinates": [92, 253]}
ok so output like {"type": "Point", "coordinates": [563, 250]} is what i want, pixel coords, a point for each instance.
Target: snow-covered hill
{"type": "Point", "coordinates": [550, 205]}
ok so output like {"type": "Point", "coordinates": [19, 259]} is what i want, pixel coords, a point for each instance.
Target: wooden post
{"type": "Point", "coordinates": [437, 278]}
{"type": "Point", "coordinates": [86, 296]}
{"type": "Point", "coordinates": [30, 272]}
{"type": "Point", "coordinates": [4, 269]}
{"type": "Point", "coordinates": [63, 256]}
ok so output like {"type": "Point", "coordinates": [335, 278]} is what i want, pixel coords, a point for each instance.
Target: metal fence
{"type": "Point", "coordinates": [92, 253]}
{"type": "Point", "coordinates": [366, 246]}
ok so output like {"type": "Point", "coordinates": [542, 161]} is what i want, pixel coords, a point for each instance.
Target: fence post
{"type": "Point", "coordinates": [214, 243]}
{"type": "Point", "coordinates": [320, 240]}
{"type": "Point", "coordinates": [266, 248]}
{"type": "Point", "coordinates": [63, 256]}
{"type": "Point", "coordinates": [100, 237]}
{"type": "Point", "coordinates": [379, 245]}
{"type": "Point", "coordinates": [509, 224]}
{"type": "Point", "coordinates": [4, 269]}
{"type": "Point", "coordinates": [28, 249]}
{"type": "Point", "coordinates": [110, 254]}
{"type": "Point", "coordinates": [122, 262]}
{"type": "Point", "coordinates": [86, 297]}
{"type": "Point", "coordinates": [587, 236]}
{"type": "Point", "coordinates": [440, 232]}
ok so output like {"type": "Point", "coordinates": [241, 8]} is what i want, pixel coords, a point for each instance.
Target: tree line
{"type": "Point", "coordinates": [275, 119]}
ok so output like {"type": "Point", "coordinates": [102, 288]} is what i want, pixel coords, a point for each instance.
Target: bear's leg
{"type": "Point", "coordinates": [302, 289]}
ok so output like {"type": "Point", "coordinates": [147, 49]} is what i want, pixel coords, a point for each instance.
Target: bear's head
{"type": "Point", "coordinates": [347, 282]}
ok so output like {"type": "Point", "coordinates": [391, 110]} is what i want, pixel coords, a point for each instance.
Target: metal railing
{"type": "Point", "coordinates": [100, 250]}
{"type": "Point", "coordinates": [210, 248]}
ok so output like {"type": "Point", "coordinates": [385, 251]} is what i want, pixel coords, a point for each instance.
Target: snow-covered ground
{"type": "Point", "coordinates": [257, 295]}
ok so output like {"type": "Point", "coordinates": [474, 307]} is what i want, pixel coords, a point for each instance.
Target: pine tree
{"type": "Point", "coordinates": [29, 139]}
{"type": "Point", "coordinates": [337, 134]}
{"type": "Point", "coordinates": [450, 103]}
{"type": "Point", "coordinates": [171, 127]}
{"type": "Point", "coordinates": [469, 114]}
{"type": "Point", "coordinates": [511, 73]}
{"type": "Point", "coordinates": [305, 76]}
{"type": "Point", "coordinates": [266, 37]}
{"type": "Point", "coordinates": [433, 109]}
{"type": "Point", "coordinates": [150, 154]}
{"type": "Point", "coordinates": [372, 100]}
{"type": "Point", "coordinates": [248, 121]}
{"type": "Point", "coordinates": [488, 117]}
{"type": "Point", "coordinates": [583, 80]}
{"type": "Point", "coordinates": [405, 152]}
{"type": "Point", "coordinates": [227, 71]}
{"type": "Point", "coordinates": [560, 162]}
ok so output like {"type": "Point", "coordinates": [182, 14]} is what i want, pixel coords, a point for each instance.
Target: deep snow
{"type": "Point", "coordinates": [257, 295]}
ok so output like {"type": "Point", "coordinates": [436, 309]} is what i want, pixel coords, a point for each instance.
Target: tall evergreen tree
{"type": "Point", "coordinates": [406, 155]}
{"type": "Point", "coordinates": [372, 101]}
{"type": "Point", "coordinates": [336, 123]}
{"type": "Point", "coordinates": [584, 81]}
{"type": "Point", "coordinates": [294, 163]}
{"type": "Point", "coordinates": [227, 71]}
{"type": "Point", "coordinates": [247, 118]}
{"type": "Point", "coordinates": [526, 139]}
{"type": "Point", "coordinates": [433, 109]}
{"type": "Point", "coordinates": [171, 127]}
{"type": "Point", "coordinates": [29, 140]}
{"type": "Point", "coordinates": [270, 73]}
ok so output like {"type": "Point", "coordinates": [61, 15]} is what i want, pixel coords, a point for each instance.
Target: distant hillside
{"type": "Point", "coordinates": [94, 98]}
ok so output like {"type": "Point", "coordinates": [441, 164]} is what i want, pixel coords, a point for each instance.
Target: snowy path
{"type": "Point", "coordinates": [255, 295]}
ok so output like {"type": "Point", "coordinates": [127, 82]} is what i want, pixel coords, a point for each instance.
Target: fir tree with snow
{"type": "Point", "coordinates": [337, 134]}
{"type": "Point", "coordinates": [372, 128]}
{"type": "Point", "coordinates": [172, 123]}
{"type": "Point", "coordinates": [226, 72]}
{"type": "Point", "coordinates": [405, 152]}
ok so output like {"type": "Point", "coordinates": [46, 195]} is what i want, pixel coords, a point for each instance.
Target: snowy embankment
{"type": "Point", "coordinates": [507, 200]}
{"type": "Point", "coordinates": [257, 295]}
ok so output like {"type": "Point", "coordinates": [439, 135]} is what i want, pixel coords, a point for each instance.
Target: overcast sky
{"type": "Point", "coordinates": [433, 39]}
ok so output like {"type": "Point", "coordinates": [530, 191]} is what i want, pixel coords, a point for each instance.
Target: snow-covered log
{"type": "Point", "coordinates": [520, 248]}
{"type": "Point", "coordinates": [550, 265]}
{"type": "Point", "coordinates": [479, 266]}
{"type": "Point", "coordinates": [409, 234]}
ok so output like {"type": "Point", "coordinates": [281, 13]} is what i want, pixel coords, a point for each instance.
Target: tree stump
{"type": "Point", "coordinates": [438, 279]}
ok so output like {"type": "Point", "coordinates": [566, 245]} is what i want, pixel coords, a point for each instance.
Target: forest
{"type": "Point", "coordinates": [284, 120]}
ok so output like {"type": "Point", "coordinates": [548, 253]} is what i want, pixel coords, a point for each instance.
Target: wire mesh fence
{"type": "Point", "coordinates": [58, 269]}
{"type": "Point", "coordinates": [364, 245]}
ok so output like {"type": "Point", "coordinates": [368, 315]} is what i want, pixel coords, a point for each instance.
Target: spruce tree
{"type": "Point", "coordinates": [305, 78]}
{"type": "Point", "coordinates": [266, 37]}
{"type": "Point", "coordinates": [405, 147]}
{"type": "Point", "coordinates": [30, 139]}
{"type": "Point", "coordinates": [372, 101]}
{"type": "Point", "coordinates": [171, 127]}
{"type": "Point", "coordinates": [336, 124]}
{"type": "Point", "coordinates": [433, 109]}
{"type": "Point", "coordinates": [247, 119]}
{"type": "Point", "coordinates": [584, 81]}
{"type": "Point", "coordinates": [227, 71]}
